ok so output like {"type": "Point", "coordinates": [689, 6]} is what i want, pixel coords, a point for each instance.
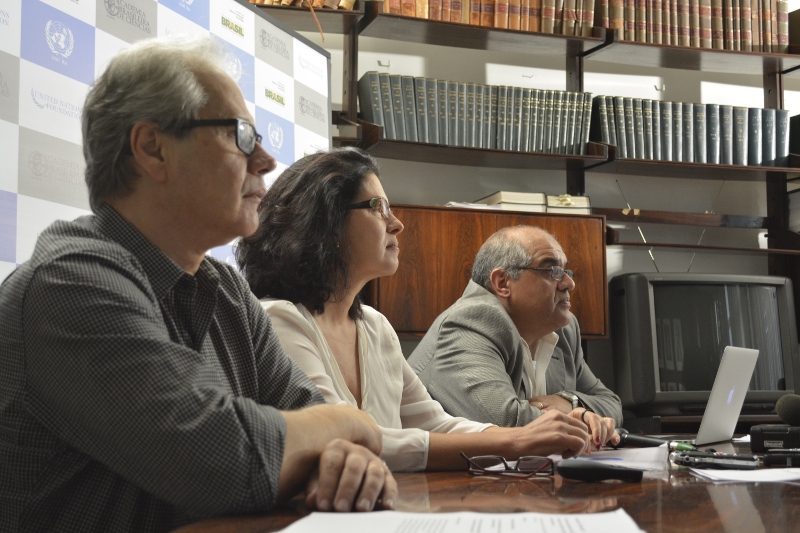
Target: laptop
{"type": "Point", "coordinates": [727, 396]}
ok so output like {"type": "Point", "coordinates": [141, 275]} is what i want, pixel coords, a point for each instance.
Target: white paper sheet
{"type": "Point", "coordinates": [396, 522]}
{"type": "Point", "coordinates": [777, 475]}
{"type": "Point", "coordinates": [653, 459]}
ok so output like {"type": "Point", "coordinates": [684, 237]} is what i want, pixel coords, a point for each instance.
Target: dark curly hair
{"type": "Point", "coordinates": [294, 254]}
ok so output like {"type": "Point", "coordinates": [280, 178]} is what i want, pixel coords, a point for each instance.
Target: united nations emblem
{"type": "Point", "coordinates": [59, 38]}
{"type": "Point", "coordinates": [35, 101]}
{"type": "Point", "coordinates": [233, 65]}
{"type": "Point", "coordinates": [187, 3]}
{"type": "Point", "coordinates": [112, 7]}
{"type": "Point", "coordinates": [275, 135]}
{"type": "Point", "coordinates": [36, 163]}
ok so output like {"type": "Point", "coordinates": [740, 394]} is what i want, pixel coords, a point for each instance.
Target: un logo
{"type": "Point", "coordinates": [36, 163]}
{"type": "Point", "coordinates": [35, 101]}
{"type": "Point", "coordinates": [112, 7]}
{"type": "Point", "coordinates": [233, 65]}
{"type": "Point", "coordinates": [265, 38]}
{"type": "Point", "coordinates": [275, 135]}
{"type": "Point", "coordinates": [59, 38]}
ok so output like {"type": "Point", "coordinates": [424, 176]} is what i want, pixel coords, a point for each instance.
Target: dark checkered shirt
{"type": "Point", "coordinates": [134, 396]}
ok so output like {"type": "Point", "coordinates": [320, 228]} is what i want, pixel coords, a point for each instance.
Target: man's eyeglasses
{"type": "Point", "coordinates": [526, 466]}
{"type": "Point", "coordinates": [246, 134]}
{"type": "Point", "coordinates": [379, 203]}
{"type": "Point", "coordinates": [556, 272]}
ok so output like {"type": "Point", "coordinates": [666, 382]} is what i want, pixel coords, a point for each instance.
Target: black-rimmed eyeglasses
{"type": "Point", "coordinates": [379, 203]}
{"type": "Point", "coordinates": [526, 466]}
{"type": "Point", "coordinates": [556, 272]}
{"type": "Point", "coordinates": [246, 134]}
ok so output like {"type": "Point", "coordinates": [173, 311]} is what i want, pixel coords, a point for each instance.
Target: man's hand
{"type": "Point", "coordinates": [550, 402]}
{"type": "Point", "coordinates": [350, 477]}
{"type": "Point", "coordinates": [601, 429]}
{"type": "Point", "coordinates": [553, 432]}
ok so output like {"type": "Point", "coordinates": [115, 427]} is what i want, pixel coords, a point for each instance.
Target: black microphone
{"type": "Point", "coordinates": [788, 409]}
{"type": "Point", "coordinates": [640, 441]}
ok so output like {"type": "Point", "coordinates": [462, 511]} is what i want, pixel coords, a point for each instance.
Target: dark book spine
{"type": "Point", "coordinates": [638, 128]}
{"type": "Point", "coordinates": [479, 118]}
{"type": "Point", "coordinates": [740, 136]}
{"type": "Point", "coordinates": [422, 109]}
{"type": "Point", "coordinates": [493, 112]}
{"type": "Point", "coordinates": [510, 114]}
{"type": "Point", "coordinates": [547, 129]}
{"type": "Point", "coordinates": [688, 133]}
{"type": "Point", "coordinates": [453, 127]}
{"type": "Point", "coordinates": [369, 97]}
{"type": "Point", "coordinates": [469, 120]}
{"type": "Point", "coordinates": [463, 132]}
{"type": "Point", "coordinates": [712, 133]}
{"type": "Point", "coordinates": [647, 114]}
{"type": "Point", "coordinates": [441, 105]}
{"type": "Point", "coordinates": [754, 137]}
{"type": "Point", "coordinates": [630, 127]}
{"type": "Point", "coordinates": [768, 154]}
{"type": "Point", "coordinates": [502, 100]}
{"type": "Point", "coordinates": [726, 135]}
{"type": "Point", "coordinates": [573, 128]}
{"type": "Point", "coordinates": [677, 131]}
{"type": "Point", "coordinates": [386, 105]}
{"type": "Point", "coordinates": [782, 138]}
{"type": "Point", "coordinates": [516, 122]}
{"type": "Point", "coordinates": [656, 113]}
{"type": "Point", "coordinates": [619, 117]}
{"type": "Point", "coordinates": [534, 120]}
{"type": "Point", "coordinates": [540, 121]}
{"type": "Point", "coordinates": [397, 107]}
{"type": "Point", "coordinates": [525, 125]}
{"type": "Point", "coordinates": [700, 135]}
{"type": "Point", "coordinates": [410, 108]}
{"type": "Point", "coordinates": [666, 131]}
{"type": "Point", "coordinates": [555, 140]}
{"type": "Point", "coordinates": [612, 123]}
{"type": "Point", "coordinates": [587, 122]}
{"type": "Point", "coordinates": [599, 131]}
{"type": "Point", "coordinates": [432, 111]}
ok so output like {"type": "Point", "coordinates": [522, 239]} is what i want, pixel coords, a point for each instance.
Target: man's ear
{"type": "Point", "coordinates": [500, 279]}
{"type": "Point", "coordinates": [147, 147]}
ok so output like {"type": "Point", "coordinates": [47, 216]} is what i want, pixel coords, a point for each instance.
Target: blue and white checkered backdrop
{"type": "Point", "coordinates": [52, 50]}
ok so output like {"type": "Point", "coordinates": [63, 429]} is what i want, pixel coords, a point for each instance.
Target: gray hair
{"type": "Point", "coordinates": [153, 80]}
{"type": "Point", "coordinates": [505, 251]}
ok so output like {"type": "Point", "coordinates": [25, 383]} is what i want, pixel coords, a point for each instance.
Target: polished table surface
{"type": "Point", "coordinates": [673, 500]}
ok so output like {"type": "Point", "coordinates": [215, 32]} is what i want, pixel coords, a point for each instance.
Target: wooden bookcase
{"type": "Point", "coordinates": [424, 226]}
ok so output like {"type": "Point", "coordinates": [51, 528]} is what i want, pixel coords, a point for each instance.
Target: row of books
{"type": "Point", "coordinates": [475, 115]}
{"type": "Point", "coordinates": [316, 4]}
{"type": "Point", "coordinates": [688, 132]}
{"type": "Point", "coordinates": [748, 25]}
{"type": "Point", "coordinates": [565, 17]}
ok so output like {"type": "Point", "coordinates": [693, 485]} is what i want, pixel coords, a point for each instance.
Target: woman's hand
{"type": "Point", "coordinates": [601, 430]}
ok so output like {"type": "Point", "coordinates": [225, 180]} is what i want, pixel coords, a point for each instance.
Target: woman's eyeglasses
{"type": "Point", "coordinates": [246, 135]}
{"type": "Point", "coordinates": [526, 466]}
{"type": "Point", "coordinates": [379, 203]}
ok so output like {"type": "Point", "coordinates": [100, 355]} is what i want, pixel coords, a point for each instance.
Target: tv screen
{"type": "Point", "coordinates": [669, 332]}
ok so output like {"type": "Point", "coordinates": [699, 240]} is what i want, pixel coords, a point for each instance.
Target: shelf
{"type": "Point", "coordinates": [709, 220]}
{"type": "Point", "coordinates": [415, 30]}
{"type": "Point", "coordinates": [687, 58]}
{"type": "Point", "coordinates": [335, 21]}
{"type": "Point", "coordinates": [373, 142]}
{"type": "Point", "coordinates": [612, 241]}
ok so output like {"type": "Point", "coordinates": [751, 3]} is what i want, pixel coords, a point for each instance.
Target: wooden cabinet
{"type": "Point", "coordinates": [439, 244]}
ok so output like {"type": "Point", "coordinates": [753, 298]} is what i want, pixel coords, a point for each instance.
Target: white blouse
{"type": "Point", "coordinates": [391, 393]}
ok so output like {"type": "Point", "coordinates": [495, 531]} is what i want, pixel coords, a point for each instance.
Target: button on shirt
{"type": "Point", "coordinates": [134, 396]}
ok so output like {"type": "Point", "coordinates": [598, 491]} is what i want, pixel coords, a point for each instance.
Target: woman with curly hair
{"type": "Point", "coordinates": [325, 230]}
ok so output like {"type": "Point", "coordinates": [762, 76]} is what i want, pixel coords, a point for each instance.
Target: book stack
{"type": "Point", "coordinates": [748, 25]}
{"type": "Point", "coordinates": [475, 115]}
{"type": "Point", "coordinates": [692, 133]}
{"type": "Point", "coordinates": [316, 4]}
{"type": "Point", "coordinates": [533, 202]}
{"type": "Point", "coordinates": [565, 17]}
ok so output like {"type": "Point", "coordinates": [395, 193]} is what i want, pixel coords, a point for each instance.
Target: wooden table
{"type": "Point", "coordinates": [664, 502]}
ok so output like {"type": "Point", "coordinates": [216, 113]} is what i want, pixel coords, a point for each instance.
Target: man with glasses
{"type": "Point", "coordinates": [143, 386]}
{"type": "Point", "coordinates": [509, 349]}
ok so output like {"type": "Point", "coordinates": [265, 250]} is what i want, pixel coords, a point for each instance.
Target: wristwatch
{"type": "Point", "coordinates": [572, 398]}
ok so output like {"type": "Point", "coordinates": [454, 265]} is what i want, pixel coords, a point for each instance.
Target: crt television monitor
{"type": "Point", "coordinates": [669, 331]}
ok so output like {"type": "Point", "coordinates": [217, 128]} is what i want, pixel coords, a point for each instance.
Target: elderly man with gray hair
{"type": "Point", "coordinates": [143, 386]}
{"type": "Point", "coordinates": [509, 349]}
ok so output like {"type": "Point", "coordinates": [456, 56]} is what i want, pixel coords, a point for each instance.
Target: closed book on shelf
{"type": "Point", "coordinates": [737, 20]}
{"type": "Point", "coordinates": [568, 21]}
{"type": "Point", "coordinates": [511, 112]}
{"type": "Point", "coordinates": [516, 122]}
{"type": "Point", "coordinates": [677, 131]}
{"type": "Point", "coordinates": [535, 16]}
{"type": "Point", "coordinates": [712, 133]}
{"type": "Point", "coordinates": [525, 15]}
{"type": "Point", "coordinates": [558, 17]}
{"type": "Point", "coordinates": [432, 111]}
{"type": "Point", "coordinates": [754, 137]}
{"type": "Point", "coordinates": [755, 24]}
{"type": "Point", "coordinates": [446, 7]}
{"type": "Point", "coordinates": [726, 135]}
{"type": "Point", "coordinates": [745, 25]}
{"type": "Point", "coordinates": [455, 9]}
{"type": "Point", "coordinates": [547, 128]}
{"type": "Point", "coordinates": [683, 23]}
{"type": "Point", "coordinates": [469, 118]}
{"type": "Point", "coordinates": [540, 119]}
{"type": "Point", "coordinates": [782, 138]}
{"type": "Point", "coordinates": [500, 14]}
{"type": "Point", "coordinates": [408, 8]}
{"type": "Point", "coordinates": [640, 23]}
{"type": "Point", "coordinates": [768, 137]}
{"type": "Point", "coordinates": [435, 9]}
{"type": "Point", "coordinates": [502, 102]}
{"type": "Point", "coordinates": [727, 13]}
{"type": "Point", "coordinates": [616, 13]}
{"type": "Point", "coordinates": [740, 130]}
{"type": "Point", "coordinates": [558, 103]}
{"type": "Point", "coordinates": [548, 16]}
{"type": "Point", "coordinates": [422, 109]}
{"type": "Point", "coordinates": [705, 24]}
{"type": "Point", "coordinates": [656, 112]}
{"type": "Point", "coordinates": [386, 105]}
{"type": "Point", "coordinates": [630, 19]}
{"type": "Point", "coordinates": [587, 122]}
{"type": "Point", "coordinates": [602, 15]}
{"type": "Point", "coordinates": [369, 98]}
{"type": "Point", "coordinates": [462, 114]}
{"type": "Point", "coordinates": [675, 25]}
{"type": "Point", "coordinates": [391, 6]}
{"type": "Point", "coordinates": [573, 130]}
{"type": "Point", "coordinates": [453, 126]}
{"type": "Point", "coordinates": [514, 22]}
{"type": "Point", "coordinates": [647, 116]}
{"type": "Point", "coordinates": [492, 114]}
{"type": "Point", "coordinates": [783, 27]}
{"type": "Point", "coordinates": [534, 202]}
{"type": "Point", "coordinates": [650, 21]}
{"type": "Point", "coordinates": [700, 137]}
{"type": "Point", "coordinates": [766, 26]}
{"type": "Point", "coordinates": [612, 127]}
{"type": "Point", "coordinates": [486, 16]}
{"type": "Point", "coordinates": [619, 118]}
{"type": "Point", "coordinates": [666, 23]}
{"type": "Point", "coordinates": [599, 131]}
{"type": "Point", "coordinates": [588, 16]}
{"type": "Point", "coordinates": [410, 108]}
{"type": "Point", "coordinates": [688, 133]}
{"type": "Point", "coordinates": [573, 205]}
{"type": "Point", "coordinates": [421, 9]}
{"type": "Point", "coordinates": [480, 128]}
{"type": "Point", "coordinates": [638, 128]}
{"type": "Point", "coordinates": [442, 111]}
{"type": "Point", "coordinates": [534, 113]}
{"type": "Point", "coordinates": [525, 123]}
{"type": "Point", "coordinates": [666, 131]}
{"type": "Point", "coordinates": [630, 127]}
{"type": "Point", "coordinates": [717, 25]}
{"type": "Point", "coordinates": [694, 23]}
{"type": "Point", "coordinates": [658, 10]}
{"type": "Point", "coordinates": [397, 107]}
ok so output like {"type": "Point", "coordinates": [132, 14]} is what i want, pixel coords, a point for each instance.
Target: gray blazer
{"type": "Point", "coordinates": [471, 361]}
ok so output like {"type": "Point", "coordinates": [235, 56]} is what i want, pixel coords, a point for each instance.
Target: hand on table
{"type": "Point", "coordinates": [553, 432]}
{"type": "Point", "coordinates": [601, 430]}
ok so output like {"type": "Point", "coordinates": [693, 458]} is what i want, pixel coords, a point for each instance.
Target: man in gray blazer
{"type": "Point", "coordinates": [509, 348]}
